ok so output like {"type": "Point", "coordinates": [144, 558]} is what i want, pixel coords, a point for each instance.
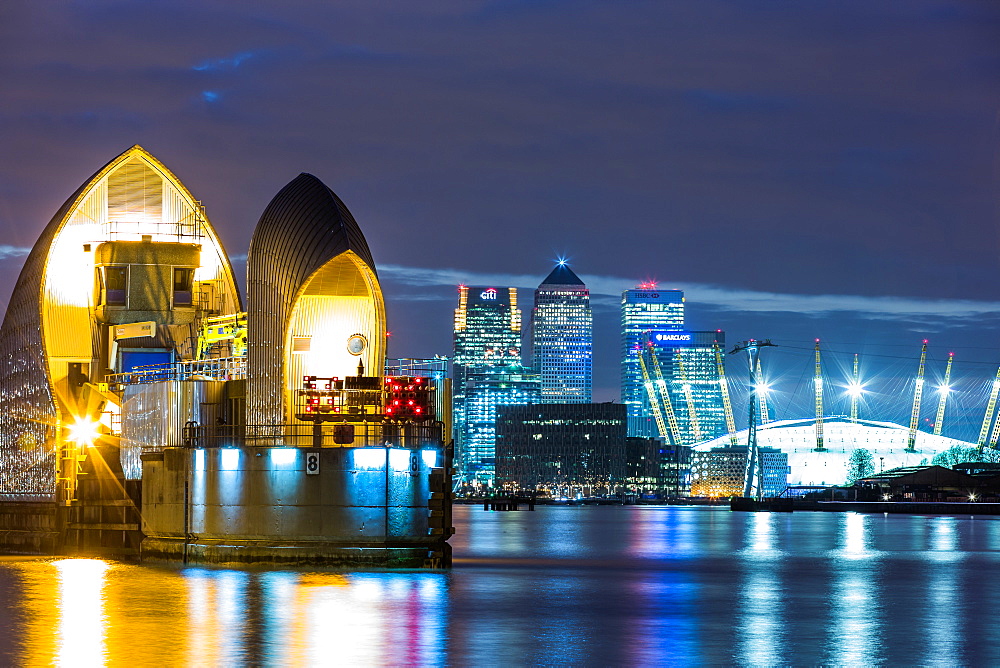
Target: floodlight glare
{"type": "Point", "coordinates": [855, 389]}
{"type": "Point", "coordinates": [84, 432]}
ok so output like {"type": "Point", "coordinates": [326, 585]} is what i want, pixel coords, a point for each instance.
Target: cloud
{"type": "Point", "coordinates": [7, 251]}
{"type": "Point", "coordinates": [718, 296]}
{"type": "Point", "coordinates": [232, 62]}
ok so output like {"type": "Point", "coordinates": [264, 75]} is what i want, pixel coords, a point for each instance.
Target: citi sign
{"type": "Point", "coordinates": [489, 293]}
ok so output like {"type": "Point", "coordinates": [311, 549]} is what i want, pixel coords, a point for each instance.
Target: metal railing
{"type": "Point", "coordinates": [187, 229]}
{"type": "Point", "coordinates": [225, 368]}
{"type": "Point", "coordinates": [362, 435]}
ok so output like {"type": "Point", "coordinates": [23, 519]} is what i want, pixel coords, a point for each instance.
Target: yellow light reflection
{"type": "Point", "coordinates": [84, 432]}
{"type": "Point", "coordinates": [81, 629]}
{"type": "Point", "coordinates": [217, 610]}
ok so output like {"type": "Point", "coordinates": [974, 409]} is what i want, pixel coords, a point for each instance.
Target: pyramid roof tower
{"type": "Point", "coordinates": [561, 275]}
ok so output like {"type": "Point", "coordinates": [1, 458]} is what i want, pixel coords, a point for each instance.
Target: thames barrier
{"type": "Point", "coordinates": [147, 413]}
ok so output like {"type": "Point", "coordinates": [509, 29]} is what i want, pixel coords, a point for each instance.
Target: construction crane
{"type": "Point", "coordinates": [945, 390]}
{"type": "Point", "coordinates": [918, 391]}
{"type": "Point", "coordinates": [661, 406]}
{"type": "Point", "coordinates": [990, 407]}
{"type": "Point", "coordinates": [818, 382]}
{"type": "Point", "coordinates": [761, 390]}
{"type": "Point", "coordinates": [688, 397]}
{"type": "Point", "coordinates": [654, 401]}
{"type": "Point", "coordinates": [727, 404]}
{"type": "Point", "coordinates": [661, 386]}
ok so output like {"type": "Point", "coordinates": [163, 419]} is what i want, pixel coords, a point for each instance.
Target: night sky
{"type": "Point", "coordinates": [800, 169]}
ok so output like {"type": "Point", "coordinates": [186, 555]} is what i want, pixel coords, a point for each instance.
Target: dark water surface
{"type": "Point", "coordinates": [558, 586]}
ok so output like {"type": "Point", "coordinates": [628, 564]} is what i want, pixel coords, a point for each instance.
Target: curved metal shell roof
{"type": "Point", "coordinates": [29, 410]}
{"type": "Point", "coordinates": [303, 227]}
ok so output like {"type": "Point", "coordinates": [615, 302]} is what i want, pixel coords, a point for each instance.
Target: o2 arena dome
{"type": "Point", "coordinates": [885, 441]}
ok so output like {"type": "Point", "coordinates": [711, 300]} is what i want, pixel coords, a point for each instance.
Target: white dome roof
{"type": "Point", "coordinates": [886, 442]}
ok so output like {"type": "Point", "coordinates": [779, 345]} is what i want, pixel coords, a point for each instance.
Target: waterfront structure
{"type": "Point", "coordinates": [116, 396]}
{"type": "Point", "coordinates": [568, 450]}
{"type": "Point", "coordinates": [886, 442]}
{"type": "Point", "coordinates": [562, 449]}
{"type": "Point", "coordinates": [487, 340]}
{"type": "Point", "coordinates": [657, 470]}
{"type": "Point", "coordinates": [644, 308]}
{"type": "Point", "coordinates": [719, 472]}
{"type": "Point", "coordinates": [116, 280]}
{"type": "Point", "coordinates": [485, 393]}
{"type": "Point", "coordinates": [562, 337]}
{"type": "Point", "coordinates": [316, 313]}
{"type": "Point", "coordinates": [687, 362]}
{"type": "Point", "coordinates": [972, 481]}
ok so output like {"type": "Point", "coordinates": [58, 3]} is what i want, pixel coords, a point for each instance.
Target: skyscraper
{"type": "Point", "coordinates": [483, 394]}
{"type": "Point", "coordinates": [562, 337]}
{"type": "Point", "coordinates": [644, 308]}
{"type": "Point", "coordinates": [690, 370]}
{"type": "Point", "coordinates": [487, 341]}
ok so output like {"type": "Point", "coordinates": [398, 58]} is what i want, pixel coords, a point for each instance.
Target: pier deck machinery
{"type": "Point", "coordinates": [293, 452]}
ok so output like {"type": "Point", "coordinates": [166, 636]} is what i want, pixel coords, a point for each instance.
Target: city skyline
{"type": "Point", "coordinates": [817, 172]}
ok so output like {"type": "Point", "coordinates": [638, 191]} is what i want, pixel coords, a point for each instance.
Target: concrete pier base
{"type": "Point", "coordinates": [326, 506]}
{"type": "Point", "coordinates": [30, 528]}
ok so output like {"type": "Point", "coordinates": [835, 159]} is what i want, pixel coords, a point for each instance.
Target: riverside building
{"type": "Point", "coordinates": [486, 394]}
{"type": "Point", "coordinates": [689, 366]}
{"type": "Point", "coordinates": [487, 342]}
{"type": "Point", "coordinates": [570, 450]}
{"type": "Point", "coordinates": [644, 308]}
{"type": "Point", "coordinates": [562, 449]}
{"type": "Point", "coordinates": [720, 471]}
{"type": "Point", "coordinates": [562, 338]}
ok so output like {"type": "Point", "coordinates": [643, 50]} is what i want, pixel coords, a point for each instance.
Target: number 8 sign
{"type": "Point", "coordinates": [312, 463]}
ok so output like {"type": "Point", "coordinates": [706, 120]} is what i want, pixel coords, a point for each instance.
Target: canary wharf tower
{"type": "Point", "coordinates": [562, 338]}
{"type": "Point", "coordinates": [644, 308]}
{"type": "Point", "coordinates": [487, 341]}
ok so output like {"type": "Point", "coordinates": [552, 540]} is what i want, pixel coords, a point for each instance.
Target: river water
{"type": "Point", "coordinates": [557, 586]}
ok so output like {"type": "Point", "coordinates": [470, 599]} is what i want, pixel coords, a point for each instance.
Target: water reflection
{"type": "Point", "coordinates": [83, 612]}
{"type": "Point", "coordinates": [944, 613]}
{"type": "Point", "coordinates": [216, 609]}
{"type": "Point", "coordinates": [81, 638]}
{"type": "Point", "coordinates": [856, 613]}
{"type": "Point", "coordinates": [761, 627]}
{"type": "Point", "coordinates": [309, 618]}
{"type": "Point", "coordinates": [677, 586]}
